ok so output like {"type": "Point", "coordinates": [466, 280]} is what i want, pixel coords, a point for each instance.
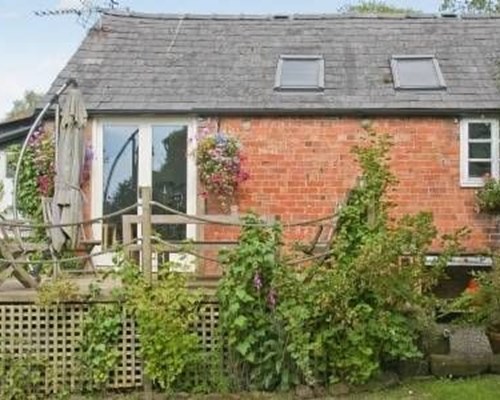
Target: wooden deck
{"type": "Point", "coordinates": [11, 291]}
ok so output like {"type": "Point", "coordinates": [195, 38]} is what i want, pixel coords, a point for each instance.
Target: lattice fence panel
{"type": "Point", "coordinates": [207, 325]}
{"type": "Point", "coordinates": [53, 334]}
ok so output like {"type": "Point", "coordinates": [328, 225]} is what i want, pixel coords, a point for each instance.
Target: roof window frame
{"type": "Point", "coordinates": [300, 57]}
{"type": "Point", "coordinates": [396, 78]}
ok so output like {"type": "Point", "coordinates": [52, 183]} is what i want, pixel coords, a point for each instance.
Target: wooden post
{"type": "Point", "coordinates": [147, 265]}
{"type": "Point", "coordinates": [147, 253]}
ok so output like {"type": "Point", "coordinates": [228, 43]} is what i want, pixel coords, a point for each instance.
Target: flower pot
{"type": "Point", "coordinates": [494, 339]}
{"type": "Point", "coordinates": [435, 340]}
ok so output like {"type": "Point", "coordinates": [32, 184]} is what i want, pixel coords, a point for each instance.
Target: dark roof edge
{"type": "Point", "coordinates": [286, 16]}
{"type": "Point", "coordinates": [14, 135]}
{"type": "Point", "coordinates": [306, 113]}
{"type": "Point", "coordinates": [16, 129]}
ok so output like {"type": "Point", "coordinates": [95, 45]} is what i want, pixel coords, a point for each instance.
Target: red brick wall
{"type": "Point", "coordinates": [300, 167]}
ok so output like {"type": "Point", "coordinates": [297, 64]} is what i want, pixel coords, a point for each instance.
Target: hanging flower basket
{"type": "Point", "coordinates": [219, 161]}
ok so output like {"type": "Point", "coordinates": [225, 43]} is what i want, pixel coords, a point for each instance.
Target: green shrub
{"type": "Point", "coordinates": [22, 378]}
{"type": "Point", "coordinates": [254, 330]}
{"type": "Point", "coordinates": [343, 319]}
{"type": "Point", "coordinates": [488, 197]}
{"type": "Point", "coordinates": [165, 313]}
{"type": "Point", "coordinates": [99, 354]}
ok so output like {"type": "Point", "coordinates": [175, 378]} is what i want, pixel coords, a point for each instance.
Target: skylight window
{"type": "Point", "coordinates": [300, 73]}
{"type": "Point", "coordinates": [416, 72]}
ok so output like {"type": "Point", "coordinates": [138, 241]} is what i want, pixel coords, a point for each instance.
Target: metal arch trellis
{"type": "Point", "coordinates": [53, 100]}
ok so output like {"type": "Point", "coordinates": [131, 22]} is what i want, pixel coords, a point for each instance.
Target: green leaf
{"type": "Point", "coordinates": [243, 348]}
{"type": "Point", "coordinates": [240, 321]}
{"type": "Point", "coordinates": [242, 295]}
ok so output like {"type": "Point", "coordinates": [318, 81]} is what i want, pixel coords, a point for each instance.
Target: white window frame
{"type": "Point", "coordinates": [7, 182]}
{"type": "Point", "coordinates": [320, 79]}
{"type": "Point", "coordinates": [465, 179]}
{"type": "Point", "coordinates": [441, 84]}
{"type": "Point", "coordinates": [145, 125]}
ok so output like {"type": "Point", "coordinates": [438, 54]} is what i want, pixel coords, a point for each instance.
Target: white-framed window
{"type": "Point", "coordinates": [479, 151]}
{"type": "Point", "coordinates": [300, 72]}
{"type": "Point", "coordinates": [417, 72]}
{"type": "Point", "coordinates": [130, 153]}
{"type": "Point", "coordinates": [6, 182]}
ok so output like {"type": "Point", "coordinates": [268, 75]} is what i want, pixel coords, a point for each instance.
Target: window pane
{"type": "Point", "coordinates": [170, 175]}
{"type": "Point", "coordinates": [479, 169]}
{"type": "Point", "coordinates": [300, 73]}
{"type": "Point", "coordinates": [480, 150]}
{"type": "Point", "coordinates": [120, 156]}
{"type": "Point", "coordinates": [417, 72]}
{"type": "Point", "coordinates": [479, 130]}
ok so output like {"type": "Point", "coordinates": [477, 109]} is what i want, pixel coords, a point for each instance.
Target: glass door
{"type": "Point", "coordinates": [120, 155]}
{"type": "Point", "coordinates": [169, 175]}
{"type": "Point", "coordinates": [144, 154]}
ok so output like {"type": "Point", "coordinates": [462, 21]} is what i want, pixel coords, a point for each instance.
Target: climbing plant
{"type": "Point", "coordinates": [165, 313]}
{"type": "Point", "coordinates": [248, 317]}
{"type": "Point", "coordinates": [340, 320]}
{"type": "Point", "coordinates": [99, 354]}
{"type": "Point", "coordinates": [36, 173]}
{"type": "Point", "coordinates": [22, 377]}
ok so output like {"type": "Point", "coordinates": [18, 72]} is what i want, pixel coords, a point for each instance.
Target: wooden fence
{"type": "Point", "coordinates": [52, 334]}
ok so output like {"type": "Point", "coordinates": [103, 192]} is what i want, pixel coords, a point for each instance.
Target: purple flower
{"type": "Point", "coordinates": [221, 138]}
{"type": "Point", "coordinates": [257, 281]}
{"type": "Point", "coordinates": [271, 299]}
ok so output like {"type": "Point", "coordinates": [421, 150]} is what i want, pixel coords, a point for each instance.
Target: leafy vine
{"type": "Point", "coordinates": [99, 354]}
{"type": "Point", "coordinates": [165, 313]}
{"type": "Point", "coordinates": [36, 174]}
{"type": "Point", "coordinates": [341, 320]}
{"type": "Point", "coordinates": [248, 317]}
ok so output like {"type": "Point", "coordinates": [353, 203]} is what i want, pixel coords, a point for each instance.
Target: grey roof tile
{"type": "Point", "coordinates": [175, 63]}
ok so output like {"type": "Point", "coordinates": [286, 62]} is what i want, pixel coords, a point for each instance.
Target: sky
{"type": "Point", "coordinates": [34, 49]}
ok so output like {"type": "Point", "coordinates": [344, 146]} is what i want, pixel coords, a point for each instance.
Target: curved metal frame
{"type": "Point", "coordinates": [37, 121]}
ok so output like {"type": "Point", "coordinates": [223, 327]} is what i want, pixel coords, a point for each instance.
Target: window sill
{"type": "Point", "coordinates": [471, 185]}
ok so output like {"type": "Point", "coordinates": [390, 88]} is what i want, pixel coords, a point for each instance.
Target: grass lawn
{"type": "Point", "coordinates": [480, 388]}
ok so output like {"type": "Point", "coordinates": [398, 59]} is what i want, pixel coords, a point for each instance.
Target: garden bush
{"type": "Point", "coordinates": [343, 319]}
{"type": "Point", "coordinates": [165, 313]}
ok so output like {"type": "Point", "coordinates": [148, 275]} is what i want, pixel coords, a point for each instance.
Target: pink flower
{"type": "Point", "coordinates": [257, 281]}
{"type": "Point", "coordinates": [272, 299]}
{"type": "Point", "coordinates": [218, 158]}
{"type": "Point", "coordinates": [45, 185]}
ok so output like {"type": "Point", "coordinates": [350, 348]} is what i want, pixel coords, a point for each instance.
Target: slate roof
{"type": "Point", "coordinates": [14, 131]}
{"type": "Point", "coordinates": [187, 63]}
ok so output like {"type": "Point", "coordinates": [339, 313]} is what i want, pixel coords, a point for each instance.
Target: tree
{"type": "Point", "coordinates": [375, 7]}
{"type": "Point", "coordinates": [471, 6]}
{"type": "Point", "coordinates": [24, 107]}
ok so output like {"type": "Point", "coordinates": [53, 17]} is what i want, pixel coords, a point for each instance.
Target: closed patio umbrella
{"type": "Point", "coordinates": [70, 153]}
